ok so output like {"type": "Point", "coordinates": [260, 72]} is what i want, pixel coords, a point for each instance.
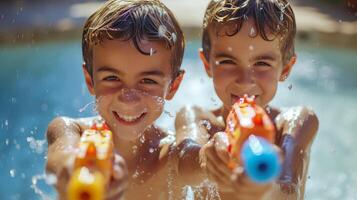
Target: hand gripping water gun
{"type": "Point", "coordinates": [251, 135]}
{"type": "Point", "coordinates": [93, 164]}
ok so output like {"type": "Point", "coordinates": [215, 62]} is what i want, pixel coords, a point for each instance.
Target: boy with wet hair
{"type": "Point", "coordinates": [132, 51]}
{"type": "Point", "coordinates": [247, 48]}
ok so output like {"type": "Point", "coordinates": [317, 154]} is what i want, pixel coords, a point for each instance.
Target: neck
{"type": "Point", "coordinates": [132, 149]}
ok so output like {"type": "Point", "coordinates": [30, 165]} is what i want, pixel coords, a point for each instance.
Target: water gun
{"type": "Point", "coordinates": [251, 134]}
{"type": "Point", "coordinates": [93, 164]}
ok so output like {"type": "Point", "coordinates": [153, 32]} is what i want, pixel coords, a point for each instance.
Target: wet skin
{"type": "Point", "coordinates": [130, 89]}
{"type": "Point", "coordinates": [245, 64]}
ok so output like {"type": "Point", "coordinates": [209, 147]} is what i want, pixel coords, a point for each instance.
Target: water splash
{"type": "Point", "coordinates": [49, 179]}
{"type": "Point", "coordinates": [86, 106]}
{"type": "Point", "coordinates": [36, 145]}
{"type": "Point", "coordinates": [198, 192]}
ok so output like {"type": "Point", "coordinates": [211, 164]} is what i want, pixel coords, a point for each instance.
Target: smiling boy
{"type": "Point", "coordinates": [248, 48]}
{"type": "Point", "coordinates": [132, 52]}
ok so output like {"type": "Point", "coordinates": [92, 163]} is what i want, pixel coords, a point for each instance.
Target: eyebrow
{"type": "Point", "coordinates": [224, 55]}
{"type": "Point", "coordinates": [107, 69]}
{"type": "Point", "coordinates": [154, 72]}
{"type": "Point", "coordinates": [266, 56]}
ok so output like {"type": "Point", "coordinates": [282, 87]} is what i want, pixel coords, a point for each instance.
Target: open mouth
{"type": "Point", "coordinates": [235, 98]}
{"type": "Point", "coordinates": [129, 119]}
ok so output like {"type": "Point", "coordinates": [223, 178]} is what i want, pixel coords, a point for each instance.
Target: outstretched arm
{"type": "Point", "coordinates": [63, 135]}
{"type": "Point", "coordinates": [194, 127]}
{"type": "Point", "coordinates": [299, 126]}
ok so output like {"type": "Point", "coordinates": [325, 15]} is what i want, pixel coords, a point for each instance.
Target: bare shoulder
{"type": "Point", "coordinates": [300, 115]}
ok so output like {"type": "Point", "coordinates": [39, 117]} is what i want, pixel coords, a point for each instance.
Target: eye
{"type": "Point", "coordinates": [111, 78]}
{"type": "Point", "coordinates": [148, 81]}
{"type": "Point", "coordinates": [225, 62]}
{"type": "Point", "coordinates": [262, 64]}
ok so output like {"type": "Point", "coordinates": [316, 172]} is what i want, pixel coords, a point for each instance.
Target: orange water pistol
{"type": "Point", "coordinates": [251, 134]}
{"type": "Point", "coordinates": [93, 164]}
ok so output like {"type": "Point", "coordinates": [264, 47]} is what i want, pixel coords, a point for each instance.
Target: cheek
{"type": "Point", "coordinates": [222, 78]}
{"type": "Point", "coordinates": [103, 104]}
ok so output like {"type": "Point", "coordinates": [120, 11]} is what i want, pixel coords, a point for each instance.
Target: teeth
{"type": "Point", "coordinates": [129, 118]}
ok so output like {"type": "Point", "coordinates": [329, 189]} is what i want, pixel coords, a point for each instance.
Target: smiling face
{"type": "Point", "coordinates": [131, 87]}
{"type": "Point", "coordinates": [245, 63]}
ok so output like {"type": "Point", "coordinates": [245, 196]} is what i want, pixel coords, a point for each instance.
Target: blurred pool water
{"type": "Point", "coordinates": [44, 80]}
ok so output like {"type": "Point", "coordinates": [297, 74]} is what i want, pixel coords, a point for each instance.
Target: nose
{"type": "Point", "coordinates": [245, 76]}
{"type": "Point", "coordinates": [129, 96]}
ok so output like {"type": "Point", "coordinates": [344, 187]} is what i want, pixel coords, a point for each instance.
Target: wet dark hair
{"type": "Point", "coordinates": [272, 18]}
{"type": "Point", "coordinates": [134, 20]}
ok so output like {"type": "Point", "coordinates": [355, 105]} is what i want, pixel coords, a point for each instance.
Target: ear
{"type": "Point", "coordinates": [205, 62]}
{"type": "Point", "coordinates": [175, 85]}
{"type": "Point", "coordinates": [88, 79]}
{"type": "Point", "coordinates": [287, 68]}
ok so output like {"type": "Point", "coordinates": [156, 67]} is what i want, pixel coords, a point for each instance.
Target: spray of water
{"type": "Point", "coordinates": [49, 179]}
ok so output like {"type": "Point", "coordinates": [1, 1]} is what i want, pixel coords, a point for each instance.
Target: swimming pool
{"type": "Point", "coordinates": [43, 80]}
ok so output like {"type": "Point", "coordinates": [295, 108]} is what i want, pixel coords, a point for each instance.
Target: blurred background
{"type": "Point", "coordinates": [41, 78]}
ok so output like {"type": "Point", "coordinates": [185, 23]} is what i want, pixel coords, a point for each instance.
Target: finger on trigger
{"type": "Point", "coordinates": [221, 146]}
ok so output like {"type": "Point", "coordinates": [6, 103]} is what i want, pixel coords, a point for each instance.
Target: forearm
{"type": "Point", "coordinates": [188, 126]}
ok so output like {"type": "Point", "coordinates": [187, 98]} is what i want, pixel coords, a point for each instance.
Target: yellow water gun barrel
{"type": "Point", "coordinates": [93, 164]}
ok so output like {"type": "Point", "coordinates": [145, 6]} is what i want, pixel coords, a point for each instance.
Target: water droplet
{"type": "Point", "coordinates": [169, 114]}
{"type": "Point", "coordinates": [6, 123]}
{"type": "Point", "coordinates": [251, 47]}
{"type": "Point", "coordinates": [230, 49]}
{"type": "Point", "coordinates": [151, 150]}
{"type": "Point", "coordinates": [12, 173]}
{"type": "Point", "coordinates": [7, 142]}
{"type": "Point", "coordinates": [142, 138]}
{"type": "Point", "coordinates": [217, 62]}
{"type": "Point", "coordinates": [162, 31]}
{"type": "Point", "coordinates": [152, 51]}
{"type": "Point", "coordinates": [22, 129]}
{"type": "Point", "coordinates": [135, 174]}
{"type": "Point", "coordinates": [173, 37]}
{"type": "Point", "coordinates": [13, 100]}
{"type": "Point", "coordinates": [290, 86]}
{"type": "Point", "coordinates": [268, 109]}
{"type": "Point", "coordinates": [252, 32]}
{"type": "Point", "coordinates": [134, 149]}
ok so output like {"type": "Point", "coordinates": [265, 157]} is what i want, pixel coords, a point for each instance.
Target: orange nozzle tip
{"type": "Point", "coordinates": [91, 151]}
